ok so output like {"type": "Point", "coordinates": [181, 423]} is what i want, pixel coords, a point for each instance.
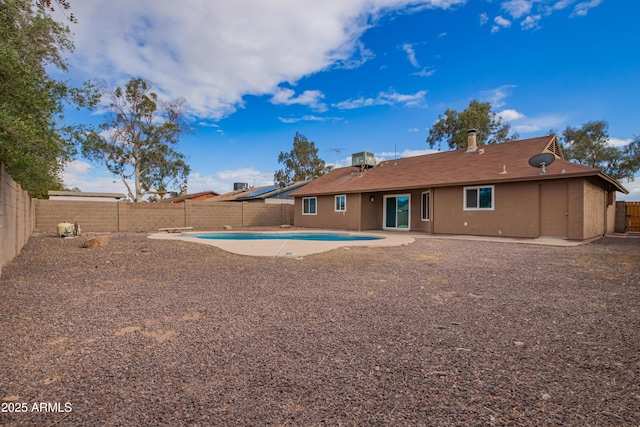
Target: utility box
{"type": "Point", "coordinates": [364, 158]}
{"type": "Point", "coordinates": [240, 186]}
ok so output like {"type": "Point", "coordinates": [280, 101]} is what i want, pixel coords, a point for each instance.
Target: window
{"type": "Point", "coordinates": [309, 205]}
{"type": "Point", "coordinates": [425, 206]}
{"type": "Point", "coordinates": [341, 203]}
{"type": "Point", "coordinates": [478, 198]}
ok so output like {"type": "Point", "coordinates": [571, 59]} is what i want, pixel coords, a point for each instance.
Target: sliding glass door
{"type": "Point", "coordinates": [396, 211]}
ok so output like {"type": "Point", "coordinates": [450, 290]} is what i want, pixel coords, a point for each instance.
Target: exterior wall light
{"type": "Point", "coordinates": [372, 199]}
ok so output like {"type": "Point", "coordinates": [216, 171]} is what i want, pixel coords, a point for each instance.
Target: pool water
{"type": "Point", "coordinates": [326, 237]}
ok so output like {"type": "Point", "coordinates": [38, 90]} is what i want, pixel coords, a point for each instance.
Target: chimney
{"type": "Point", "coordinates": [472, 144]}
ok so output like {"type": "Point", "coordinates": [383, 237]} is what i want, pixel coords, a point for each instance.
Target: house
{"type": "Point", "coordinates": [81, 196]}
{"type": "Point", "coordinates": [489, 190]}
{"type": "Point", "coordinates": [270, 194]}
{"type": "Point", "coordinates": [194, 197]}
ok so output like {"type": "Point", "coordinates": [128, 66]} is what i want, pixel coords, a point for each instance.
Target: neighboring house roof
{"type": "Point", "coordinates": [85, 194]}
{"type": "Point", "coordinates": [494, 163]}
{"type": "Point", "coordinates": [203, 195]}
{"type": "Point", "coordinates": [256, 193]}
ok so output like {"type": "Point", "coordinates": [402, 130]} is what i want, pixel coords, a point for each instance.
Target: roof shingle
{"type": "Point", "coordinates": [505, 162]}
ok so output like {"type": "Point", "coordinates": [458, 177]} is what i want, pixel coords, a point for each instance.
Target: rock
{"type": "Point", "coordinates": [96, 242]}
{"type": "Point", "coordinates": [546, 396]}
{"type": "Point", "coordinates": [518, 343]}
{"type": "Point", "coordinates": [12, 398]}
{"type": "Point", "coordinates": [227, 227]}
{"type": "Point", "coordinates": [441, 327]}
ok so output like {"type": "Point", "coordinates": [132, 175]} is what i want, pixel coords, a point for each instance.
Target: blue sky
{"type": "Point", "coordinates": [357, 75]}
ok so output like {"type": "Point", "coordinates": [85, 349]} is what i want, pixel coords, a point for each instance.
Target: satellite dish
{"type": "Point", "coordinates": [541, 161]}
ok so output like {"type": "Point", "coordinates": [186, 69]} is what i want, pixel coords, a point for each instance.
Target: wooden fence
{"type": "Point", "coordinates": [633, 216]}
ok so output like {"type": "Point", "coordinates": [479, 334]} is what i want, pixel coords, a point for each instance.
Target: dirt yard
{"type": "Point", "coordinates": [436, 333]}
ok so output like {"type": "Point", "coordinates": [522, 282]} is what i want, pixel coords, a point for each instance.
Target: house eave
{"type": "Point", "coordinates": [612, 182]}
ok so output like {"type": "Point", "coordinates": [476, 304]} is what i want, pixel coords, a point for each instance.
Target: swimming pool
{"type": "Point", "coordinates": [326, 237]}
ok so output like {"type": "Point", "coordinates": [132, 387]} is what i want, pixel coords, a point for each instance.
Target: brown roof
{"type": "Point", "coordinates": [86, 194]}
{"type": "Point", "coordinates": [458, 167]}
{"type": "Point", "coordinates": [189, 197]}
{"type": "Point", "coordinates": [263, 192]}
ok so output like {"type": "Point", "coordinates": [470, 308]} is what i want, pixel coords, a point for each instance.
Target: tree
{"type": "Point", "coordinates": [590, 146]}
{"type": "Point", "coordinates": [139, 138]}
{"type": "Point", "coordinates": [301, 163]}
{"type": "Point", "coordinates": [35, 142]}
{"type": "Point", "coordinates": [453, 127]}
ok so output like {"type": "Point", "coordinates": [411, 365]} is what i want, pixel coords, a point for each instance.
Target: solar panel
{"type": "Point", "coordinates": [261, 191]}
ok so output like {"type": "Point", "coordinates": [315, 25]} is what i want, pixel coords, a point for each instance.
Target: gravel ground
{"type": "Point", "coordinates": [439, 332]}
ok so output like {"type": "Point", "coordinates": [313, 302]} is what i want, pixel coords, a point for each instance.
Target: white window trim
{"type": "Point", "coordinates": [428, 218]}
{"type": "Point", "coordinates": [335, 203]}
{"type": "Point", "coordinates": [477, 188]}
{"type": "Point", "coordinates": [384, 212]}
{"type": "Point", "coordinates": [316, 206]}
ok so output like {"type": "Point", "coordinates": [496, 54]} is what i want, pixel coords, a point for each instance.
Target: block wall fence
{"type": "Point", "coordinates": [16, 217]}
{"type": "Point", "coordinates": [134, 217]}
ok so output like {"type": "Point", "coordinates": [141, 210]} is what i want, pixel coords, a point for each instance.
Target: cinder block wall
{"type": "Point", "coordinates": [16, 217]}
{"type": "Point", "coordinates": [92, 216]}
{"type": "Point", "coordinates": [213, 215]}
{"type": "Point", "coordinates": [128, 216]}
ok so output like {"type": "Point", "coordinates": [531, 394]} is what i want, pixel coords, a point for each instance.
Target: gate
{"type": "Point", "coordinates": [633, 216]}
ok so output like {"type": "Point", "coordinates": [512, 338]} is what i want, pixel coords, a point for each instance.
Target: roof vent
{"type": "Point", "coordinates": [363, 159]}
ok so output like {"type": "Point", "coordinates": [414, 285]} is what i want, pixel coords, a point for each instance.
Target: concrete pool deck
{"type": "Point", "coordinates": [289, 248]}
{"type": "Point", "coordinates": [299, 248]}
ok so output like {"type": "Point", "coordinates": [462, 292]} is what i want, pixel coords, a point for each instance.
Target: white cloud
{"type": "Point", "coordinates": [558, 5]}
{"type": "Point", "coordinates": [309, 118]}
{"type": "Point", "coordinates": [510, 115]}
{"type": "Point", "coordinates": [83, 175]}
{"type": "Point", "coordinates": [77, 167]}
{"type": "Point", "coordinates": [617, 142]}
{"type": "Point", "coordinates": [517, 8]}
{"type": "Point", "coordinates": [496, 97]}
{"type": "Point", "coordinates": [411, 54]}
{"type": "Point", "coordinates": [531, 12]}
{"type": "Point", "coordinates": [386, 98]}
{"type": "Point", "coordinates": [425, 72]}
{"type": "Point", "coordinates": [389, 155]}
{"type": "Point", "coordinates": [540, 124]}
{"type": "Point", "coordinates": [215, 52]}
{"type": "Point", "coordinates": [310, 98]}
{"type": "Point", "coordinates": [222, 182]}
{"type": "Point", "coordinates": [581, 9]}
{"type": "Point", "coordinates": [500, 22]}
{"type": "Point", "coordinates": [531, 22]}
{"type": "Point", "coordinates": [633, 188]}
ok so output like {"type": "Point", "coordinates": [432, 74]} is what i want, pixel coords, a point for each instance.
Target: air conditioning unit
{"type": "Point", "coordinates": [364, 158]}
{"type": "Point", "coordinates": [240, 186]}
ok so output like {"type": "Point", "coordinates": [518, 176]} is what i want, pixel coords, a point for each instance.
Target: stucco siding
{"type": "Point", "coordinates": [326, 215]}
{"type": "Point", "coordinates": [580, 211]}
{"type": "Point", "coordinates": [515, 214]}
{"type": "Point", "coordinates": [595, 200]}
